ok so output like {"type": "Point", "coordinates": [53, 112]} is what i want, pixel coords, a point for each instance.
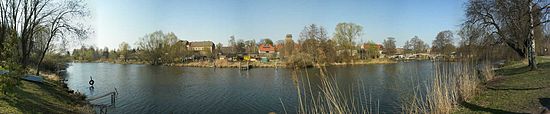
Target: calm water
{"type": "Point", "coordinates": [163, 89]}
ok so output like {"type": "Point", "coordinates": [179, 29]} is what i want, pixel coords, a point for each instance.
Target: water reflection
{"type": "Point", "coordinates": [163, 89]}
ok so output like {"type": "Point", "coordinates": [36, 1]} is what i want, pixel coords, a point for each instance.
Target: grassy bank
{"type": "Point", "coordinates": [49, 97]}
{"type": "Point", "coordinates": [516, 89]}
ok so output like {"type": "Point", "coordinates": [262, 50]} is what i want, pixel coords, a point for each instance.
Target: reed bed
{"type": "Point", "coordinates": [451, 84]}
{"type": "Point", "coordinates": [328, 98]}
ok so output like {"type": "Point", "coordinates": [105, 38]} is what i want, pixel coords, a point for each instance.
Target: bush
{"type": "Point", "coordinates": [54, 62]}
{"type": "Point", "coordinates": [299, 60]}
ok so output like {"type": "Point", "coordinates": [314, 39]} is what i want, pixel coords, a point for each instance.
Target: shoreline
{"type": "Point", "coordinates": [227, 64]}
{"type": "Point", "coordinates": [50, 96]}
{"type": "Point", "coordinates": [515, 89]}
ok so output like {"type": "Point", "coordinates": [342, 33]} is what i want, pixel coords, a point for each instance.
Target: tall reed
{"type": "Point", "coordinates": [329, 97]}
{"type": "Point", "coordinates": [452, 83]}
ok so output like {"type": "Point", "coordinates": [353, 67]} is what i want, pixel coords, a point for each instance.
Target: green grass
{"type": "Point", "coordinates": [517, 90]}
{"type": "Point", "coordinates": [47, 98]}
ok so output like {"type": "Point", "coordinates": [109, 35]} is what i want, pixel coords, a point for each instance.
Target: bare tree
{"type": "Point", "coordinates": [443, 43]}
{"type": "Point", "coordinates": [345, 35]}
{"type": "Point", "coordinates": [415, 45]}
{"type": "Point", "coordinates": [315, 43]}
{"type": "Point", "coordinates": [123, 49]}
{"type": "Point", "coordinates": [511, 22]}
{"type": "Point", "coordinates": [250, 46]}
{"type": "Point", "coordinates": [150, 47]}
{"type": "Point", "coordinates": [389, 46]}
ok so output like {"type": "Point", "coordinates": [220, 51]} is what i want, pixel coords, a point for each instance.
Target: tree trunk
{"type": "Point", "coordinates": [531, 47]}
{"type": "Point", "coordinates": [44, 54]}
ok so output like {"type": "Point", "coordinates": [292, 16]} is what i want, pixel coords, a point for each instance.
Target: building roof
{"type": "Point", "coordinates": [266, 47]}
{"type": "Point", "coordinates": [201, 44]}
{"type": "Point", "coordinates": [378, 46]}
{"type": "Point", "coordinates": [185, 42]}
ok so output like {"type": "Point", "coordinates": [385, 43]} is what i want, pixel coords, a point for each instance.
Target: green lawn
{"type": "Point", "coordinates": [518, 90]}
{"type": "Point", "coordinates": [48, 98]}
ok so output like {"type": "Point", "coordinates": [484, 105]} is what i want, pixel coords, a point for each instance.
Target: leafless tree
{"type": "Point", "coordinates": [24, 20]}
{"type": "Point", "coordinates": [389, 46]}
{"type": "Point", "coordinates": [511, 22]}
{"type": "Point", "coordinates": [443, 43]}
{"type": "Point", "coordinates": [345, 35]}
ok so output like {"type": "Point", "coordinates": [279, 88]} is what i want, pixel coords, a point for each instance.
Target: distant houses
{"type": "Point", "coordinates": [265, 51]}
{"type": "Point", "coordinates": [378, 47]}
{"type": "Point", "coordinates": [202, 48]}
{"type": "Point", "coordinates": [266, 48]}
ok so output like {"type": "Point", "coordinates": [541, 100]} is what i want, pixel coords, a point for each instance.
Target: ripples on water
{"type": "Point", "coordinates": [163, 89]}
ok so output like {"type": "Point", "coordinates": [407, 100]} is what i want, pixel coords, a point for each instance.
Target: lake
{"type": "Point", "coordinates": [165, 89]}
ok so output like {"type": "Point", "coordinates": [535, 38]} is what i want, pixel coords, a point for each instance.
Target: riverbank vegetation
{"type": "Point", "coordinates": [487, 77]}
{"type": "Point", "coordinates": [492, 42]}
{"type": "Point", "coordinates": [313, 48]}
{"type": "Point", "coordinates": [515, 89]}
{"type": "Point", "coordinates": [34, 36]}
{"type": "Point", "coordinates": [48, 97]}
{"type": "Point", "coordinates": [329, 96]}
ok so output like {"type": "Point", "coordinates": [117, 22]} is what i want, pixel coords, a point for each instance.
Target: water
{"type": "Point", "coordinates": [164, 89]}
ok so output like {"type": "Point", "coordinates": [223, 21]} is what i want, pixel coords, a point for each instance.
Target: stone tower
{"type": "Point", "coordinates": [288, 46]}
{"type": "Point", "coordinates": [288, 37]}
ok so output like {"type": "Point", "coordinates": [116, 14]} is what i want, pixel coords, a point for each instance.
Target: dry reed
{"type": "Point", "coordinates": [451, 84]}
{"type": "Point", "coordinates": [330, 98]}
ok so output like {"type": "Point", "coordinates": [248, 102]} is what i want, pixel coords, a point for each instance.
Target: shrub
{"type": "Point", "coordinates": [299, 60]}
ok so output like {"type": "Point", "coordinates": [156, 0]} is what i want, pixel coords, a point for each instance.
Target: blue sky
{"type": "Point", "coordinates": [116, 21]}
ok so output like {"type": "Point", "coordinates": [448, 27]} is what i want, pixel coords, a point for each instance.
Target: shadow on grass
{"type": "Point", "coordinates": [515, 89]}
{"type": "Point", "coordinates": [474, 107]}
{"type": "Point", "coordinates": [520, 70]}
{"type": "Point", "coordinates": [545, 102]}
{"type": "Point", "coordinates": [33, 100]}
{"type": "Point", "coordinates": [513, 71]}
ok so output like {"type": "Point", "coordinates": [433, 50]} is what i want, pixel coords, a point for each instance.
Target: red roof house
{"type": "Point", "coordinates": [266, 48]}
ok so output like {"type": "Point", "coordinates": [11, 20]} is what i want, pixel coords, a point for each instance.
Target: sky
{"type": "Point", "coordinates": [115, 21]}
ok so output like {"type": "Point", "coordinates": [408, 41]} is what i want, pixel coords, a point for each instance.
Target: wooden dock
{"type": "Point", "coordinates": [245, 66]}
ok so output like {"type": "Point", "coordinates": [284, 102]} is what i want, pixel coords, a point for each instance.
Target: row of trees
{"type": "Point", "coordinates": [246, 46]}
{"type": "Point", "coordinates": [413, 46]}
{"type": "Point", "coordinates": [159, 47]}
{"type": "Point", "coordinates": [315, 46]}
{"type": "Point", "coordinates": [35, 33]}
{"type": "Point", "coordinates": [155, 48]}
{"type": "Point", "coordinates": [92, 53]}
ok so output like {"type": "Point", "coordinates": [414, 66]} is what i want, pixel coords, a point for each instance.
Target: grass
{"type": "Point", "coordinates": [515, 90]}
{"type": "Point", "coordinates": [49, 98]}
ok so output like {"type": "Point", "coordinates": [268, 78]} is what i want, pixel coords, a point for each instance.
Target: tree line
{"type": "Point", "coordinates": [35, 34]}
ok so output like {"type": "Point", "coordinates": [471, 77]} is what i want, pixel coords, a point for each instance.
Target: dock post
{"type": "Point", "coordinates": [113, 99]}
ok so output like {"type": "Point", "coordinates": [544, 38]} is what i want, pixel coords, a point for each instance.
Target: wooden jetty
{"type": "Point", "coordinates": [244, 66]}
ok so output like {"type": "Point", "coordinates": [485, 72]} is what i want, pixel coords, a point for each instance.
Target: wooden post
{"type": "Point", "coordinates": [113, 99]}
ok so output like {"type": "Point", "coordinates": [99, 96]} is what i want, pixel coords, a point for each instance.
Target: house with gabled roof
{"type": "Point", "coordinates": [266, 48]}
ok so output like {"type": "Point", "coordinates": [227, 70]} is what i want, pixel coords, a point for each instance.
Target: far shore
{"type": "Point", "coordinates": [255, 64]}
